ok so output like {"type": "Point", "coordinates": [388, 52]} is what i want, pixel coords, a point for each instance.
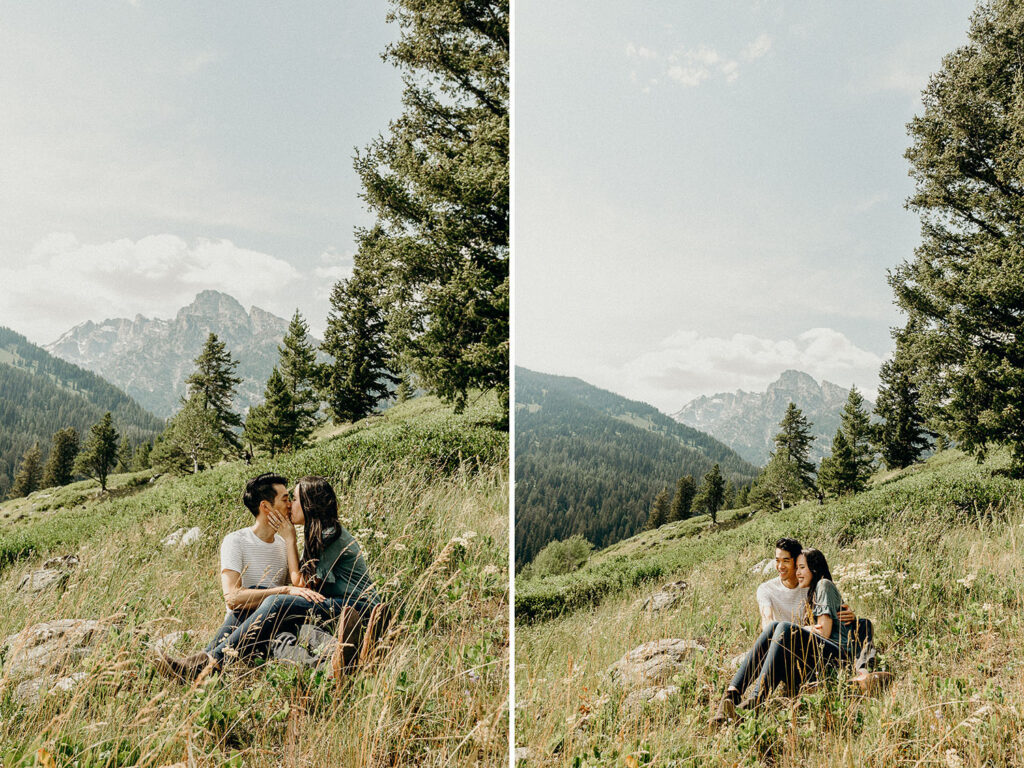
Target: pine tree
{"type": "Point", "coordinates": [794, 442]}
{"type": "Point", "coordinates": [214, 381]}
{"type": "Point", "coordinates": [841, 473]}
{"type": "Point", "coordinates": [124, 456]}
{"type": "Point", "coordinates": [686, 489]}
{"type": "Point", "coordinates": [60, 465]}
{"type": "Point", "coordinates": [743, 495]}
{"type": "Point", "coordinates": [856, 426]}
{"type": "Point", "coordinates": [274, 424]}
{"type": "Point", "coordinates": [30, 473]}
{"type": "Point", "coordinates": [193, 439]}
{"type": "Point", "coordinates": [439, 186]}
{"type": "Point", "coordinates": [659, 510]}
{"type": "Point", "coordinates": [359, 375]}
{"type": "Point", "coordinates": [141, 458]}
{"type": "Point", "coordinates": [404, 389]}
{"type": "Point", "coordinates": [299, 371]}
{"type": "Point", "coordinates": [779, 484]}
{"type": "Point", "coordinates": [711, 494]}
{"type": "Point", "coordinates": [99, 454]}
{"type": "Point", "coordinates": [962, 290]}
{"type": "Point", "coordinates": [901, 437]}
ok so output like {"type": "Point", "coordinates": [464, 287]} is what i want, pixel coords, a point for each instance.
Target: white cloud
{"type": "Point", "coordinates": [758, 47]}
{"type": "Point", "coordinates": [686, 365]}
{"type": "Point", "coordinates": [687, 66]}
{"type": "Point", "coordinates": [63, 282]}
{"type": "Point", "coordinates": [640, 52]}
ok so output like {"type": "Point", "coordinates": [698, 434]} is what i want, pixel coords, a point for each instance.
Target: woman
{"type": "Point", "coordinates": [333, 565]}
{"type": "Point", "coordinates": [786, 652]}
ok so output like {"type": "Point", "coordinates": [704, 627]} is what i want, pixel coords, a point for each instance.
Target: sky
{"type": "Point", "coordinates": [149, 151]}
{"type": "Point", "coordinates": [707, 194]}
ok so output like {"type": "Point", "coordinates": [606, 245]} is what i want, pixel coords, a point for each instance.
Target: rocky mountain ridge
{"type": "Point", "coordinates": [747, 421]}
{"type": "Point", "coordinates": [151, 357]}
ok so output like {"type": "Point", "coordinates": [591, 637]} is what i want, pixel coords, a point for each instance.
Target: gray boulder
{"type": "Point", "coordinates": [54, 574]}
{"type": "Point", "coordinates": [764, 568]}
{"type": "Point", "coordinates": [32, 690]}
{"type": "Point", "coordinates": [653, 662]}
{"type": "Point", "coordinates": [183, 537]}
{"type": "Point", "coordinates": [652, 694]}
{"type": "Point", "coordinates": [666, 597]}
{"type": "Point", "coordinates": [50, 647]}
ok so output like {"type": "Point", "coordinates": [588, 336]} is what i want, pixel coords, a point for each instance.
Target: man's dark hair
{"type": "Point", "coordinates": [790, 545]}
{"type": "Point", "coordinates": [261, 488]}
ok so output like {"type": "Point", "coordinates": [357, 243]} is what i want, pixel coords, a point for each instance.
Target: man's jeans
{"type": "Point", "coordinates": [248, 633]}
{"type": "Point", "coordinates": [783, 653]}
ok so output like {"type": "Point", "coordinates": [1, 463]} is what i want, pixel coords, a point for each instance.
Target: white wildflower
{"type": "Point", "coordinates": [953, 759]}
{"type": "Point", "coordinates": [490, 570]}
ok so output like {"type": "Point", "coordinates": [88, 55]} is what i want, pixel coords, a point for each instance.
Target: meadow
{"type": "Point", "coordinates": [426, 493]}
{"type": "Point", "coordinates": [929, 554]}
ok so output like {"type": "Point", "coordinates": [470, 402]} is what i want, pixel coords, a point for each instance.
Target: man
{"type": "Point", "coordinates": [257, 567]}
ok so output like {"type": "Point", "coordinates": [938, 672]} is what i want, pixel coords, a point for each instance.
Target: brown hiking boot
{"type": "Point", "coordinates": [347, 649]}
{"type": "Point", "coordinates": [726, 714]}
{"type": "Point", "coordinates": [188, 668]}
{"type": "Point", "coordinates": [873, 682]}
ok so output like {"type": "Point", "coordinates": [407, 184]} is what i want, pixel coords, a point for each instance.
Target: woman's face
{"type": "Point", "coordinates": [298, 518]}
{"type": "Point", "coordinates": [803, 573]}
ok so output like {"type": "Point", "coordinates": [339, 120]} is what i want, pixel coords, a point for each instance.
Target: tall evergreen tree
{"type": "Point", "coordinates": [141, 457]}
{"type": "Point", "coordinates": [901, 437]}
{"type": "Point", "coordinates": [962, 290]}
{"type": "Point", "coordinates": [60, 465]}
{"type": "Point", "coordinates": [794, 443]}
{"type": "Point", "coordinates": [856, 426]}
{"type": "Point", "coordinates": [686, 489]}
{"type": "Point", "coordinates": [99, 454]}
{"type": "Point", "coordinates": [30, 473]}
{"type": "Point", "coordinates": [298, 370]}
{"type": "Point", "coordinates": [274, 424]}
{"type": "Point", "coordinates": [841, 473]}
{"type": "Point", "coordinates": [359, 375]}
{"type": "Point", "coordinates": [659, 510]}
{"type": "Point", "coordinates": [124, 456]}
{"type": "Point", "coordinates": [439, 186]}
{"type": "Point", "coordinates": [214, 382]}
{"type": "Point", "coordinates": [711, 494]}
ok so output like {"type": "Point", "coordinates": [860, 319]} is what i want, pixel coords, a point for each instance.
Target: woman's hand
{"type": "Point", "coordinates": [282, 524]}
{"type": "Point", "coordinates": [304, 592]}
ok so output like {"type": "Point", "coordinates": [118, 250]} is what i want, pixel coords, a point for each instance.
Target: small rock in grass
{"type": "Point", "coordinates": [42, 580]}
{"type": "Point", "coordinates": [32, 690]}
{"type": "Point", "coordinates": [653, 662]}
{"type": "Point", "coordinates": [666, 597]}
{"type": "Point", "coordinates": [764, 568]}
{"type": "Point", "coordinates": [182, 537]}
{"type": "Point", "coordinates": [43, 648]}
{"type": "Point", "coordinates": [168, 641]}
{"type": "Point", "coordinates": [655, 693]}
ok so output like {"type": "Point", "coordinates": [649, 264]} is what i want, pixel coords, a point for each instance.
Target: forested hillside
{"type": "Point", "coordinates": [590, 462]}
{"type": "Point", "coordinates": [40, 394]}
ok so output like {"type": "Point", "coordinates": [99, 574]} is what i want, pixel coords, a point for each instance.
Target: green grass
{"type": "Point", "coordinates": [412, 482]}
{"type": "Point", "coordinates": [930, 554]}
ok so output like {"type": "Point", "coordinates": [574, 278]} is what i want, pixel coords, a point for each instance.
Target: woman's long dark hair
{"type": "Point", "coordinates": [320, 508]}
{"type": "Point", "coordinates": [818, 566]}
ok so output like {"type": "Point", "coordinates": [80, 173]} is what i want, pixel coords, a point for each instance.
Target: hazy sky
{"type": "Point", "coordinates": [707, 193]}
{"type": "Point", "coordinates": [150, 150]}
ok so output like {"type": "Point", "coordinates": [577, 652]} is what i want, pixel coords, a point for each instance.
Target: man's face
{"type": "Point", "coordinates": [784, 565]}
{"type": "Point", "coordinates": [282, 500]}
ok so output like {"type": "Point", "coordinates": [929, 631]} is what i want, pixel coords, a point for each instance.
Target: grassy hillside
{"type": "Point", "coordinates": [426, 493]}
{"type": "Point", "coordinates": [590, 462]}
{"type": "Point", "coordinates": [929, 554]}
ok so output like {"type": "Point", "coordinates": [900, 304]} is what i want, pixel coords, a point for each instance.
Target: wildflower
{"type": "Point", "coordinates": [967, 580]}
{"type": "Point", "coordinates": [915, 585]}
{"type": "Point", "coordinates": [399, 547]}
{"type": "Point", "coordinates": [953, 759]}
{"type": "Point", "coordinates": [490, 570]}
{"type": "Point", "coordinates": [988, 607]}
{"type": "Point", "coordinates": [380, 535]}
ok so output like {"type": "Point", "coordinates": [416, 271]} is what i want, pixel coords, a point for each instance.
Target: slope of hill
{"type": "Point", "coordinates": [930, 554]}
{"type": "Point", "coordinates": [150, 358]}
{"type": "Point", "coordinates": [425, 492]}
{"type": "Point", "coordinates": [590, 462]}
{"type": "Point", "coordinates": [748, 421]}
{"type": "Point", "coordinates": [40, 394]}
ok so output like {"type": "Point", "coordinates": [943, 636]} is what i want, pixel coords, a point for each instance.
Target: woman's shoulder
{"type": "Point", "coordinates": [826, 587]}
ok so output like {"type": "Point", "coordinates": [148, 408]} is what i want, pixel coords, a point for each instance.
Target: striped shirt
{"type": "Point", "coordinates": [261, 564]}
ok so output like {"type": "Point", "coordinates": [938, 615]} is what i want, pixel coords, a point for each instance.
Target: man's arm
{"type": "Point", "coordinates": [239, 598]}
{"type": "Point", "coordinates": [764, 606]}
{"type": "Point", "coordinates": [846, 615]}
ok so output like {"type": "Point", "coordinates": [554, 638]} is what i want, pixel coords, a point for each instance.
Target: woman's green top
{"type": "Point", "coordinates": [828, 601]}
{"type": "Point", "coordinates": [341, 571]}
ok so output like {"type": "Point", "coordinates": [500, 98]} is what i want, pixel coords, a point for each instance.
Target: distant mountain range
{"type": "Point", "coordinates": [591, 462]}
{"type": "Point", "coordinates": [150, 358]}
{"type": "Point", "coordinates": [748, 421]}
{"type": "Point", "coordinates": [40, 394]}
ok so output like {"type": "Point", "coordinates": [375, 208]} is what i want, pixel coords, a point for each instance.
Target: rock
{"type": "Point", "coordinates": [47, 578]}
{"type": "Point", "coordinates": [763, 568]}
{"type": "Point", "coordinates": [167, 642]}
{"type": "Point", "coordinates": [183, 537]}
{"type": "Point", "coordinates": [64, 561]}
{"type": "Point", "coordinates": [653, 662]}
{"type": "Point", "coordinates": [32, 690]}
{"type": "Point", "coordinates": [522, 753]}
{"type": "Point", "coordinates": [655, 693]}
{"type": "Point", "coordinates": [666, 597]}
{"type": "Point", "coordinates": [735, 661]}
{"type": "Point", "coordinates": [43, 648]}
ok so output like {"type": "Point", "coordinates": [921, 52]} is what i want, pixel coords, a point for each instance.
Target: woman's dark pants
{"type": "Point", "coordinates": [782, 653]}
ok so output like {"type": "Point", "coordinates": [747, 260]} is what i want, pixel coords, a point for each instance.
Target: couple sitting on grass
{"type": "Point", "coordinates": [806, 629]}
{"type": "Point", "coordinates": [270, 592]}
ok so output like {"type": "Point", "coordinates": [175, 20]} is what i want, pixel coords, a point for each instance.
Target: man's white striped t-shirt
{"type": "Point", "coordinates": [261, 564]}
{"type": "Point", "coordinates": [784, 603]}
